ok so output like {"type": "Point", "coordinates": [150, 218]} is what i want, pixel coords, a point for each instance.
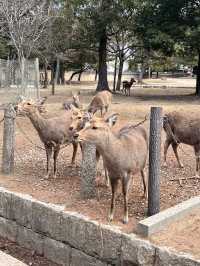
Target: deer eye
{"type": "Point", "coordinates": [28, 104]}
{"type": "Point", "coordinates": [94, 127]}
{"type": "Point", "coordinates": [79, 117]}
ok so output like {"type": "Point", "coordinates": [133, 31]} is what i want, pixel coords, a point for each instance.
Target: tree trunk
{"type": "Point", "coordinates": [103, 80]}
{"type": "Point", "coordinates": [115, 74]}
{"type": "Point", "coordinates": [119, 79]}
{"type": "Point", "coordinates": [79, 72]}
{"type": "Point", "coordinates": [56, 73]}
{"type": "Point", "coordinates": [198, 76]}
{"type": "Point", "coordinates": [96, 75]}
{"type": "Point", "coordinates": [62, 74]}
{"type": "Point", "coordinates": [45, 76]}
{"type": "Point", "coordinates": [79, 76]}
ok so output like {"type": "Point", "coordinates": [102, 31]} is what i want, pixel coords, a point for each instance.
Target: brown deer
{"type": "Point", "coordinates": [124, 154]}
{"type": "Point", "coordinates": [126, 88]}
{"type": "Point", "coordinates": [53, 132]}
{"type": "Point", "coordinates": [185, 129]}
{"type": "Point", "coordinates": [75, 101]}
{"type": "Point", "coordinates": [80, 121]}
{"type": "Point", "coordinates": [101, 101]}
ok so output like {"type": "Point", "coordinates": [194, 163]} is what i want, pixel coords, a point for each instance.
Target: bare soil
{"type": "Point", "coordinates": [183, 235]}
{"type": "Point", "coordinates": [25, 255]}
{"type": "Point", "coordinates": [30, 159]}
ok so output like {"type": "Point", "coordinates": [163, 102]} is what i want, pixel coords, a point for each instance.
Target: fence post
{"type": "Point", "coordinates": [8, 140]}
{"type": "Point", "coordinates": [154, 161]}
{"type": "Point", "coordinates": [88, 171]}
{"type": "Point", "coordinates": [37, 78]}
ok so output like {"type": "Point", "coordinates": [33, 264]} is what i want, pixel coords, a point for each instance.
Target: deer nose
{"type": "Point", "coordinates": [71, 128]}
{"type": "Point", "coordinates": [76, 135]}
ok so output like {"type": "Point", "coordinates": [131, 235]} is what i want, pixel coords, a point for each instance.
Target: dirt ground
{"type": "Point", "coordinates": [187, 232]}
{"type": "Point", "coordinates": [25, 255]}
{"type": "Point", "coordinates": [30, 161]}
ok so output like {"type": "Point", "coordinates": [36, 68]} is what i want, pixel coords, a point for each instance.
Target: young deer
{"type": "Point", "coordinates": [101, 101]}
{"type": "Point", "coordinates": [124, 154]}
{"type": "Point", "coordinates": [126, 88]}
{"type": "Point", "coordinates": [185, 129]}
{"type": "Point", "coordinates": [53, 132]}
{"type": "Point", "coordinates": [75, 101]}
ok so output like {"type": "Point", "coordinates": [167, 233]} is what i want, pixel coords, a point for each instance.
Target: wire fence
{"type": "Point", "coordinates": [18, 80]}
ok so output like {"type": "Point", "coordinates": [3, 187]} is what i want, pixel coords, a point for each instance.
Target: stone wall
{"type": "Point", "coordinates": [71, 239]}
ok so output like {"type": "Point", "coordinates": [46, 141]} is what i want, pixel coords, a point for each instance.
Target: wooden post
{"type": "Point", "coordinates": [88, 171]}
{"type": "Point", "coordinates": [154, 161]}
{"type": "Point", "coordinates": [8, 140]}
{"type": "Point", "coordinates": [37, 78]}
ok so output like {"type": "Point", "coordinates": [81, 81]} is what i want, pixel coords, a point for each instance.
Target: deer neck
{"type": "Point", "coordinates": [37, 120]}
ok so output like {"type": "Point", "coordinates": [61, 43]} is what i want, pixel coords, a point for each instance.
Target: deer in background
{"type": "Point", "coordinates": [53, 132]}
{"type": "Point", "coordinates": [124, 154]}
{"type": "Point", "coordinates": [75, 101]}
{"type": "Point", "coordinates": [180, 128]}
{"type": "Point", "coordinates": [101, 101]}
{"type": "Point", "coordinates": [126, 88]}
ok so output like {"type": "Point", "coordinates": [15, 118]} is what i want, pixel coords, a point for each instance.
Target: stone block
{"type": "Point", "coordinates": [136, 251]}
{"type": "Point", "coordinates": [31, 240]}
{"type": "Point", "coordinates": [8, 229]}
{"type": "Point", "coordinates": [166, 257]}
{"type": "Point", "coordinates": [79, 258]}
{"type": "Point", "coordinates": [6, 204]}
{"type": "Point", "coordinates": [22, 209]}
{"type": "Point", "coordinates": [57, 252]}
{"type": "Point", "coordinates": [46, 219]}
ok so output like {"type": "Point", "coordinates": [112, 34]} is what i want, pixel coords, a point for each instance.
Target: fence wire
{"type": "Point", "coordinates": [13, 83]}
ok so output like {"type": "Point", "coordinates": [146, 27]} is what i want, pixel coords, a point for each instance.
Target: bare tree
{"type": "Point", "coordinates": [23, 23]}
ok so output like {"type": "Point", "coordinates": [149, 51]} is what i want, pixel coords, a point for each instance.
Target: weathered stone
{"type": "Point", "coordinates": [137, 251]}
{"type": "Point", "coordinates": [57, 252]}
{"type": "Point", "coordinates": [73, 229]}
{"type": "Point", "coordinates": [22, 209]}
{"type": "Point", "coordinates": [8, 229]}
{"type": "Point", "coordinates": [79, 258]}
{"type": "Point", "coordinates": [29, 239]}
{"type": "Point", "coordinates": [6, 204]}
{"type": "Point", "coordinates": [165, 257]}
{"type": "Point", "coordinates": [46, 219]}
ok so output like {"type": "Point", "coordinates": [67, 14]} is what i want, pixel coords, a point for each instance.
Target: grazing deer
{"type": "Point", "coordinates": [101, 101]}
{"type": "Point", "coordinates": [124, 154]}
{"type": "Point", "coordinates": [185, 129]}
{"type": "Point", "coordinates": [53, 132]}
{"type": "Point", "coordinates": [75, 101]}
{"type": "Point", "coordinates": [126, 88]}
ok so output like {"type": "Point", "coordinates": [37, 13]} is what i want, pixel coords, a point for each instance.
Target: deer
{"type": "Point", "coordinates": [180, 128]}
{"type": "Point", "coordinates": [53, 132]}
{"type": "Point", "coordinates": [101, 101]}
{"type": "Point", "coordinates": [126, 88]}
{"type": "Point", "coordinates": [79, 121]}
{"type": "Point", "coordinates": [75, 101]}
{"type": "Point", "coordinates": [124, 154]}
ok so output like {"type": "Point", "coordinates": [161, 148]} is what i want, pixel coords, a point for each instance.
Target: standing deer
{"type": "Point", "coordinates": [75, 101]}
{"type": "Point", "coordinates": [53, 132]}
{"type": "Point", "coordinates": [126, 88]}
{"type": "Point", "coordinates": [101, 101]}
{"type": "Point", "coordinates": [124, 154]}
{"type": "Point", "coordinates": [185, 129]}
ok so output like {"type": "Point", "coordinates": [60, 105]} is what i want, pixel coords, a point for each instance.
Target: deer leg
{"type": "Point", "coordinates": [48, 154]}
{"type": "Point", "coordinates": [166, 146]}
{"type": "Point", "coordinates": [125, 189]}
{"type": "Point", "coordinates": [114, 184]}
{"type": "Point", "coordinates": [55, 156]}
{"type": "Point", "coordinates": [75, 147]}
{"type": "Point", "coordinates": [175, 146]}
{"type": "Point", "coordinates": [144, 184]}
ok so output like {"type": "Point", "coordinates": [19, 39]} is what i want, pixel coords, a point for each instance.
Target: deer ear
{"type": "Point", "coordinates": [112, 119]}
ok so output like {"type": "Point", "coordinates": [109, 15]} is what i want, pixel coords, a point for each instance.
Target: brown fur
{"type": "Point", "coordinates": [53, 132]}
{"type": "Point", "coordinates": [101, 101]}
{"type": "Point", "coordinates": [185, 129]}
{"type": "Point", "coordinates": [75, 101]}
{"type": "Point", "coordinates": [124, 154]}
{"type": "Point", "coordinates": [126, 89]}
